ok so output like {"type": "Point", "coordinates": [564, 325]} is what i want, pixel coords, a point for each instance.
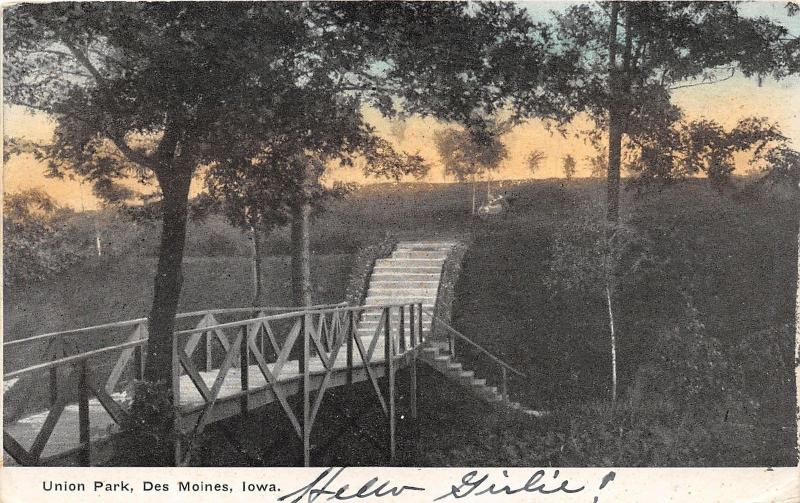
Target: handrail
{"type": "Point", "coordinates": [283, 316]}
{"type": "Point", "coordinates": [136, 321]}
{"type": "Point", "coordinates": [71, 359]}
{"type": "Point", "coordinates": [255, 308]}
{"type": "Point", "coordinates": [116, 324]}
{"type": "Point", "coordinates": [341, 307]}
{"type": "Point", "coordinates": [475, 344]}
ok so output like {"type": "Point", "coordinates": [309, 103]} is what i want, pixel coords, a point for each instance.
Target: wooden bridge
{"type": "Point", "coordinates": [226, 362]}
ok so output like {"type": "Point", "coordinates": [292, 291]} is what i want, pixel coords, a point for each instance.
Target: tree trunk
{"type": "Point", "coordinates": [613, 346]}
{"type": "Point", "coordinates": [301, 256]}
{"type": "Point", "coordinates": [169, 278]}
{"type": "Point", "coordinates": [797, 329]}
{"type": "Point", "coordinates": [473, 194]}
{"type": "Point", "coordinates": [97, 242]}
{"type": "Point", "coordinates": [614, 123]}
{"type": "Point", "coordinates": [614, 164]}
{"type": "Point", "coordinates": [258, 279]}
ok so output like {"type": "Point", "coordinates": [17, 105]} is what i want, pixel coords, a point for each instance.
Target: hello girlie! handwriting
{"type": "Point", "coordinates": [471, 484]}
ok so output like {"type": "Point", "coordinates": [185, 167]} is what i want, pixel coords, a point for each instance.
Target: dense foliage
{"type": "Point", "coordinates": [37, 242]}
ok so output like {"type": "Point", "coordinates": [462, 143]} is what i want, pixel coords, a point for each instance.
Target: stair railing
{"type": "Point", "coordinates": [452, 334]}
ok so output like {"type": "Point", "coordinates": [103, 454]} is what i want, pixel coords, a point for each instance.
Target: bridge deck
{"type": "Point", "coordinates": [65, 438]}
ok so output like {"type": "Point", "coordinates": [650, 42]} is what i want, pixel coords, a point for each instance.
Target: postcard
{"type": "Point", "coordinates": [400, 251]}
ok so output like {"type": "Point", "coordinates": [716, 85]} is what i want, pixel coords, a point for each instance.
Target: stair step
{"type": "Point", "coordinates": [400, 299]}
{"type": "Point", "coordinates": [421, 245]}
{"type": "Point", "coordinates": [465, 377]}
{"type": "Point", "coordinates": [376, 311]}
{"type": "Point", "coordinates": [403, 272]}
{"type": "Point", "coordinates": [478, 383]}
{"type": "Point", "coordinates": [395, 262]}
{"type": "Point", "coordinates": [373, 320]}
{"type": "Point", "coordinates": [426, 254]}
{"type": "Point", "coordinates": [402, 289]}
{"type": "Point", "coordinates": [403, 283]}
{"type": "Point", "coordinates": [535, 413]}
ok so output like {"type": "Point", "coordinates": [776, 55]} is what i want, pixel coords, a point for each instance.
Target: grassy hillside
{"type": "Point", "coordinates": [735, 257]}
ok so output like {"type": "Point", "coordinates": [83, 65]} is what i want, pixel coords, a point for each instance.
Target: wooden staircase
{"type": "Point", "coordinates": [412, 274]}
{"type": "Point", "coordinates": [436, 356]}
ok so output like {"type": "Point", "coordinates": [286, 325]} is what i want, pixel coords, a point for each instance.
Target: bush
{"type": "Point", "coordinates": [215, 238]}
{"type": "Point", "coordinates": [362, 269]}
{"type": "Point", "coordinates": [37, 240]}
{"type": "Point", "coordinates": [689, 366]}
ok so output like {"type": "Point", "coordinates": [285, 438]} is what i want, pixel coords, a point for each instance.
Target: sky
{"type": "Point", "coordinates": [725, 102]}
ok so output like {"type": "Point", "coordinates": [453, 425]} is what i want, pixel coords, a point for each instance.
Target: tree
{"type": "Point", "coordinates": [374, 54]}
{"type": "Point", "coordinates": [688, 148]}
{"type": "Point", "coordinates": [36, 240]}
{"type": "Point", "coordinates": [591, 254]}
{"type": "Point", "coordinates": [632, 55]}
{"type": "Point", "coordinates": [156, 89]}
{"type": "Point", "coordinates": [380, 160]}
{"type": "Point", "coordinates": [598, 163]}
{"type": "Point", "coordinates": [569, 165]}
{"type": "Point", "coordinates": [535, 160]}
{"type": "Point", "coordinates": [470, 153]}
{"type": "Point", "coordinates": [159, 90]}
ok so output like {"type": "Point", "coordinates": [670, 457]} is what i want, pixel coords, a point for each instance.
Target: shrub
{"type": "Point", "coordinates": [362, 269]}
{"type": "Point", "coordinates": [689, 366]}
{"type": "Point", "coordinates": [36, 241]}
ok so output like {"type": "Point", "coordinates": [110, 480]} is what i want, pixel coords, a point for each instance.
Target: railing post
{"type": "Point", "coordinates": [421, 335]}
{"type": "Point", "coordinates": [207, 337]}
{"type": "Point", "coordinates": [176, 400]}
{"type": "Point", "coordinates": [53, 385]}
{"type": "Point", "coordinates": [304, 357]}
{"type": "Point", "coordinates": [505, 385]}
{"type": "Point", "coordinates": [83, 415]}
{"type": "Point", "coordinates": [402, 331]}
{"type": "Point", "coordinates": [413, 334]}
{"type": "Point", "coordinates": [138, 353]}
{"type": "Point", "coordinates": [412, 329]}
{"type": "Point", "coordinates": [262, 343]}
{"type": "Point", "coordinates": [56, 353]}
{"type": "Point", "coordinates": [451, 344]}
{"type": "Point", "coordinates": [244, 360]}
{"type": "Point", "coordinates": [351, 333]}
{"type": "Point", "coordinates": [389, 366]}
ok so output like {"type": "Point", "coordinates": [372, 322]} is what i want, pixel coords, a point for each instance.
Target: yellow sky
{"type": "Point", "coordinates": [725, 102]}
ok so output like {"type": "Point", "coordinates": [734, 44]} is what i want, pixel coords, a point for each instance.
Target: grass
{"type": "Point", "coordinates": [735, 256]}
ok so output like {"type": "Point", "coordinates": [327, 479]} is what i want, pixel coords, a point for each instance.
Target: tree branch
{"type": "Point", "coordinates": [83, 59]}
{"type": "Point", "coordinates": [715, 81]}
{"type": "Point", "coordinates": [116, 137]}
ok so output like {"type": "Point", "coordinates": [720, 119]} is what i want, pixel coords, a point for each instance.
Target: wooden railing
{"type": "Point", "coordinates": [453, 335]}
{"type": "Point", "coordinates": [52, 346]}
{"type": "Point", "coordinates": [58, 371]}
{"type": "Point", "coordinates": [294, 352]}
{"type": "Point", "coordinates": [299, 349]}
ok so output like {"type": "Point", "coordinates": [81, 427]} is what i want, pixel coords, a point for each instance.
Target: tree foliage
{"type": "Point", "coordinates": [534, 160]}
{"type": "Point", "coordinates": [591, 254]}
{"type": "Point", "coordinates": [36, 238]}
{"type": "Point", "coordinates": [470, 152]}
{"type": "Point", "coordinates": [704, 147]}
{"type": "Point", "coordinates": [631, 55]}
{"type": "Point", "coordinates": [569, 165]}
{"type": "Point", "coordinates": [598, 163]}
